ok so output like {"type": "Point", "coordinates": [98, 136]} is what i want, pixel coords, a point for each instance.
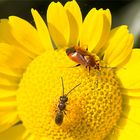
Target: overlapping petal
{"type": "Point", "coordinates": [6, 71]}
{"type": "Point", "coordinates": [119, 47]}
{"type": "Point", "coordinates": [75, 21]}
{"type": "Point", "coordinates": [131, 92]}
{"type": "Point", "coordinates": [7, 37]}
{"type": "Point", "coordinates": [8, 109]}
{"type": "Point", "coordinates": [14, 58]}
{"type": "Point", "coordinates": [129, 127]}
{"type": "Point", "coordinates": [129, 73]}
{"type": "Point", "coordinates": [7, 105]}
{"type": "Point", "coordinates": [131, 101]}
{"type": "Point", "coordinates": [42, 31]}
{"type": "Point", "coordinates": [26, 35]}
{"type": "Point", "coordinates": [7, 101]}
{"type": "Point", "coordinates": [95, 29]}
{"type": "Point", "coordinates": [108, 15]}
{"type": "Point", "coordinates": [131, 113]}
{"type": "Point", "coordinates": [13, 133]}
{"type": "Point", "coordinates": [125, 130]}
{"type": "Point", "coordinates": [119, 134]}
{"type": "Point", "coordinates": [58, 24]}
{"type": "Point", "coordinates": [131, 106]}
{"type": "Point", "coordinates": [7, 119]}
{"type": "Point", "coordinates": [5, 32]}
{"type": "Point", "coordinates": [28, 136]}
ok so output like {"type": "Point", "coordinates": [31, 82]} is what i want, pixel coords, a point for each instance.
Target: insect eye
{"type": "Point", "coordinates": [70, 50]}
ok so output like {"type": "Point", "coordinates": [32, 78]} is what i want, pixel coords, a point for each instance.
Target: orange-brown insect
{"type": "Point", "coordinates": [82, 57]}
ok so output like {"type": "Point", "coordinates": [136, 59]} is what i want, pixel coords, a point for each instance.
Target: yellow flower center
{"type": "Point", "coordinates": [92, 109]}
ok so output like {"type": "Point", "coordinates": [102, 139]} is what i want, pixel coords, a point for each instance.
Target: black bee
{"type": "Point", "coordinates": [62, 105]}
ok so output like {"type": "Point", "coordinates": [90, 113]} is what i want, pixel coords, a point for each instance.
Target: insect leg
{"type": "Point", "coordinates": [97, 78]}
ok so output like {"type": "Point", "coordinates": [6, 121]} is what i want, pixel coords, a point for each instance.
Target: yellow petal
{"type": "Point", "coordinates": [5, 32]}
{"type": "Point", "coordinates": [31, 137]}
{"type": "Point", "coordinates": [8, 87]}
{"type": "Point", "coordinates": [5, 70]}
{"type": "Point", "coordinates": [28, 136]}
{"type": "Point", "coordinates": [26, 35]}
{"type": "Point", "coordinates": [127, 126]}
{"type": "Point", "coordinates": [131, 92]}
{"type": "Point", "coordinates": [129, 74]}
{"type": "Point", "coordinates": [42, 31]}
{"type": "Point", "coordinates": [8, 80]}
{"type": "Point", "coordinates": [13, 56]}
{"type": "Point", "coordinates": [13, 133]}
{"type": "Point", "coordinates": [119, 47]}
{"type": "Point", "coordinates": [43, 138]}
{"type": "Point", "coordinates": [131, 101]}
{"type": "Point", "coordinates": [58, 24]}
{"type": "Point", "coordinates": [8, 105]}
{"type": "Point", "coordinates": [13, 62]}
{"type": "Point", "coordinates": [95, 30]}
{"type": "Point", "coordinates": [119, 134]}
{"type": "Point", "coordinates": [7, 37]}
{"type": "Point", "coordinates": [106, 26]}
{"type": "Point", "coordinates": [75, 20]}
{"type": "Point", "coordinates": [7, 95]}
{"type": "Point", "coordinates": [108, 15]}
{"type": "Point", "coordinates": [131, 113]}
{"type": "Point", "coordinates": [7, 101]}
{"type": "Point", "coordinates": [7, 119]}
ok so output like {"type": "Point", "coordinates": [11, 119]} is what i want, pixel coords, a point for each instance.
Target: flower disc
{"type": "Point", "coordinates": [93, 107]}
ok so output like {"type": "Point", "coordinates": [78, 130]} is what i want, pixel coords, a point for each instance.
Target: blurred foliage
{"type": "Point", "coordinates": [123, 11]}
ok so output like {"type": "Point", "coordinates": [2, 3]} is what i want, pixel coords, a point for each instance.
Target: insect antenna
{"type": "Point", "coordinates": [72, 89]}
{"type": "Point", "coordinates": [62, 86]}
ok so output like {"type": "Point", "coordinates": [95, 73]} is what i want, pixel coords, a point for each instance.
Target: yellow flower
{"type": "Point", "coordinates": [106, 102]}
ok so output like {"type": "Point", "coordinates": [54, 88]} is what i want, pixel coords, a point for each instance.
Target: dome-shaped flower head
{"type": "Point", "coordinates": [72, 79]}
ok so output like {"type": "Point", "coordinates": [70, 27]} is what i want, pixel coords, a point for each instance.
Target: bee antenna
{"type": "Point", "coordinates": [62, 86]}
{"type": "Point", "coordinates": [72, 89]}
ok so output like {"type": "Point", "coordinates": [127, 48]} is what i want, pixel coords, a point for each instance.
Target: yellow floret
{"type": "Point", "coordinates": [92, 110]}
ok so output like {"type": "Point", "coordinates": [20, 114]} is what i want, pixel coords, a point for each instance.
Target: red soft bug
{"type": "Point", "coordinates": [82, 57]}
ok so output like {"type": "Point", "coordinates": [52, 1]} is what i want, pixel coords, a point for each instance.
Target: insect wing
{"type": "Point", "coordinates": [78, 58]}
